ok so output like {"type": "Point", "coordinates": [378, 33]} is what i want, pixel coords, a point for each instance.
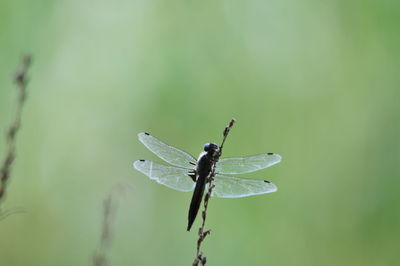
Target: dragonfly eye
{"type": "Point", "coordinates": [207, 147]}
{"type": "Point", "coordinates": [210, 147]}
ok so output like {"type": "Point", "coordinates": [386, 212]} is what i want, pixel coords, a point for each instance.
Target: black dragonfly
{"type": "Point", "coordinates": [189, 174]}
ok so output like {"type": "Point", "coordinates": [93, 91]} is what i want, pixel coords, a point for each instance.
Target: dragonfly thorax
{"type": "Point", "coordinates": [207, 159]}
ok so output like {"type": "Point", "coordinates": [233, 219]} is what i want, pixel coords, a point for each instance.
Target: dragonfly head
{"type": "Point", "coordinates": [211, 148]}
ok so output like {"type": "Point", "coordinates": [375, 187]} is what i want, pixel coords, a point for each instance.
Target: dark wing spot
{"type": "Point", "coordinates": [142, 160]}
{"type": "Point", "coordinates": [270, 153]}
{"type": "Point", "coordinates": [267, 181]}
{"type": "Point", "coordinates": [147, 133]}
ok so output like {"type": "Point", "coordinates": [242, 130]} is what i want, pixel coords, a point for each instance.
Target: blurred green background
{"type": "Point", "coordinates": [317, 82]}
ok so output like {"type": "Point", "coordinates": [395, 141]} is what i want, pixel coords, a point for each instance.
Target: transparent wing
{"type": "Point", "coordinates": [242, 165]}
{"type": "Point", "coordinates": [172, 177]}
{"type": "Point", "coordinates": [235, 187]}
{"type": "Point", "coordinates": [168, 153]}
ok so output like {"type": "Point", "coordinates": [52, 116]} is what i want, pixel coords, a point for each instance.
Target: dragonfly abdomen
{"type": "Point", "coordinates": [196, 200]}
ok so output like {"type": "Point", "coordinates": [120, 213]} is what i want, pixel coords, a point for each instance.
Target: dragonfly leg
{"type": "Point", "coordinates": [192, 174]}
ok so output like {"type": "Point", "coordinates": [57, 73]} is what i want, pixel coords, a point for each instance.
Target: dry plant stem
{"type": "Point", "coordinates": [109, 209]}
{"type": "Point", "coordinates": [202, 234]}
{"type": "Point", "coordinates": [200, 259]}
{"type": "Point", "coordinates": [21, 81]}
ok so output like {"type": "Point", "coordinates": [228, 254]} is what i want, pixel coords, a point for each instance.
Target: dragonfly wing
{"type": "Point", "coordinates": [168, 153]}
{"type": "Point", "coordinates": [235, 187]}
{"type": "Point", "coordinates": [172, 177]}
{"type": "Point", "coordinates": [242, 165]}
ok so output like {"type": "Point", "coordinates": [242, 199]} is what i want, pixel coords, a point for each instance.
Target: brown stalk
{"type": "Point", "coordinates": [21, 81]}
{"type": "Point", "coordinates": [200, 259]}
{"type": "Point", "coordinates": [109, 209]}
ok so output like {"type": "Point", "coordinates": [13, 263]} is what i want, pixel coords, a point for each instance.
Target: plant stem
{"type": "Point", "coordinates": [109, 209]}
{"type": "Point", "coordinates": [21, 81]}
{"type": "Point", "coordinates": [200, 259]}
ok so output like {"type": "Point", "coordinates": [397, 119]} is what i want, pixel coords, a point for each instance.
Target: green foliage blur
{"type": "Point", "coordinates": [315, 81]}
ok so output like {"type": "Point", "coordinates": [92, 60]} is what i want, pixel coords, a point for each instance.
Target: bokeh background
{"type": "Point", "coordinates": [317, 82]}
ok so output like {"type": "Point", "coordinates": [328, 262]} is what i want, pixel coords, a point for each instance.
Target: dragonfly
{"type": "Point", "coordinates": [188, 174]}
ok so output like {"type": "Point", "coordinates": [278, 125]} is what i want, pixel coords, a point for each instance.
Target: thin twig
{"type": "Point", "coordinates": [200, 258]}
{"type": "Point", "coordinates": [9, 212]}
{"type": "Point", "coordinates": [21, 81]}
{"type": "Point", "coordinates": [109, 210]}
